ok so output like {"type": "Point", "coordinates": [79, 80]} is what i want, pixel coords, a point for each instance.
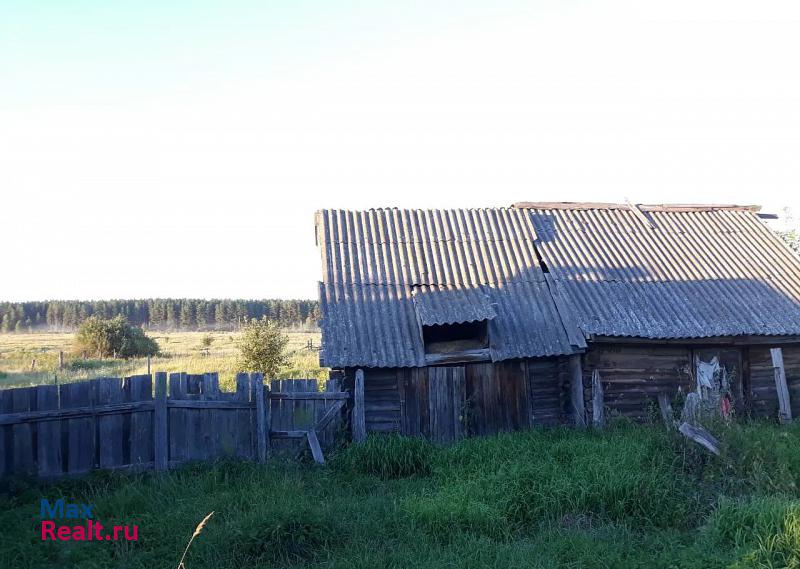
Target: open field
{"type": "Point", "coordinates": [32, 359]}
{"type": "Point", "coordinates": [633, 496]}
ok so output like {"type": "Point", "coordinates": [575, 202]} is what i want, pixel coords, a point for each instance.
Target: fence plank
{"type": "Point", "coordinates": [195, 444]}
{"type": "Point", "coordinates": [359, 419]}
{"type": "Point", "coordinates": [313, 444]}
{"type": "Point", "coordinates": [81, 440]}
{"type": "Point", "coordinates": [141, 389]}
{"type": "Point", "coordinates": [24, 463]}
{"type": "Point", "coordinates": [6, 435]}
{"type": "Point", "coordinates": [244, 426]}
{"type": "Point", "coordinates": [211, 421]}
{"type": "Point", "coordinates": [49, 435]}
{"type": "Point", "coordinates": [109, 390]}
{"type": "Point", "coordinates": [261, 425]}
{"type": "Point", "coordinates": [177, 418]}
{"type": "Point", "coordinates": [161, 437]}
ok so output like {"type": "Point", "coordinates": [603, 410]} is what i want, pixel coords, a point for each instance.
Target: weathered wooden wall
{"type": "Point", "coordinates": [634, 375]}
{"type": "Point", "coordinates": [112, 423]}
{"type": "Point", "coordinates": [761, 374]}
{"type": "Point", "coordinates": [437, 403]}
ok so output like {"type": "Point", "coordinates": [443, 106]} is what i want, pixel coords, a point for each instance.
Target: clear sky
{"type": "Point", "coordinates": [181, 148]}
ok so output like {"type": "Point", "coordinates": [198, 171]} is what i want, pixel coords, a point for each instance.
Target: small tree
{"type": "Point", "coordinates": [114, 337]}
{"type": "Point", "coordinates": [205, 343]}
{"type": "Point", "coordinates": [262, 347]}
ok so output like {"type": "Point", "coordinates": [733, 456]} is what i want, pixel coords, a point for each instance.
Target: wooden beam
{"type": "Point", "coordinates": [598, 403]}
{"type": "Point", "coordinates": [578, 404]}
{"type": "Point", "coordinates": [479, 355]}
{"type": "Point", "coordinates": [700, 436]}
{"type": "Point", "coordinates": [784, 405]}
{"type": "Point", "coordinates": [160, 426]}
{"type": "Point", "coordinates": [313, 444]}
{"type": "Point", "coordinates": [359, 422]}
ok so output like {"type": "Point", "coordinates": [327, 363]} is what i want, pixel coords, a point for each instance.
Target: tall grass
{"type": "Point", "coordinates": [180, 351]}
{"type": "Point", "coordinates": [627, 497]}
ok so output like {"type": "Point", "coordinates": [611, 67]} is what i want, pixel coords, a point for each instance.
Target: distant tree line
{"type": "Point", "coordinates": [157, 313]}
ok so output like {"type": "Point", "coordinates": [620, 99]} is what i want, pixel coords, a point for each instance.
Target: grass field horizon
{"type": "Point", "coordinates": [33, 358]}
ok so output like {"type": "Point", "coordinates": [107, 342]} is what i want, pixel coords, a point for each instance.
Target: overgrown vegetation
{"type": "Point", "coordinates": [114, 337]}
{"type": "Point", "coordinates": [628, 497]}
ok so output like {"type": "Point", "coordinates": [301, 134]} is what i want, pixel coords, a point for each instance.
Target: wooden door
{"type": "Point", "coordinates": [447, 401]}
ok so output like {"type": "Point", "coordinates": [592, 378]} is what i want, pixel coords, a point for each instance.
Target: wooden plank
{"type": "Point", "coordinates": [23, 399]}
{"type": "Point", "coordinates": [161, 434]}
{"type": "Point", "coordinates": [267, 422]}
{"type": "Point", "coordinates": [261, 417]}
{"type": "Point", "coordinates": [177, 420]}
{"type": "Point", "coordinates": [313, 444]}
{"type": "Point", "coordinates": [244, 429]}
{"type": "Point", "coordinates": [49, 434]}
{"type": "Point", "coordinates": [141, 390]}
{"type": "Point", "coordinates": [598, 402]}
{"type": "Point", "coordinates": [467, 356]}
{"type": "Point", "coordinates": [6, 435]}
{"type": "Point", "coordinates": [81, 440]}
{"type": "Point", "coordinates": [196, 446]}
{"type": "Point", "coordinates": [308, 395]}
{"type": "Point", "coordinates": [784, 404]}
{"type": "Point", "coordinates": [212, 420]}
{"type": "Point", "coordinates": [110, 438]}
{"type": "Point", "coordinates": [459, 390]}
{"type": "Point", "coordinates": [700, 436]}
{"type": "Point", "coordinates": [359, 426]}
{"type": "Point", "coordinates": [279, 413]}
{"type": "Point", "coordinates": [577, 403]}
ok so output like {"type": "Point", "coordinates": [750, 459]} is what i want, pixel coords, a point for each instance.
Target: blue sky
{"type": "Point", "coordinates": [180, 149]}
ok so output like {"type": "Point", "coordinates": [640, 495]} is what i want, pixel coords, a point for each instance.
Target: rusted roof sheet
{"type": "Point", "coordinates": [669, 272]}
{"type": "Point", "coordinates": [450, 304]}
{"type": "Point", "coordinates": [372, 260]}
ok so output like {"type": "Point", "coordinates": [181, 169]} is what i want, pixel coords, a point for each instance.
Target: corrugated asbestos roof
{"type": "Point", "coordinates": [450, 304]}
{"type": "Point", "coordinates": [613, 270]}
{"type": "Point", "coordinates": [372, 260]}
{"type": "Point", "coordinates": [667, 272]}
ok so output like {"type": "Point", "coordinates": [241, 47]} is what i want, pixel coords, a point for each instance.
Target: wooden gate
{"type": "Point", "coordinates": [447, 401]}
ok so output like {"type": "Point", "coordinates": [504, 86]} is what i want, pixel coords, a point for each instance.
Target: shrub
{"type": "Point", "coordinates": [262, 347]}
{"type": "Point", "coordinates": [113, 338]}
{"type": "Point", "coordinates": [388, 456]}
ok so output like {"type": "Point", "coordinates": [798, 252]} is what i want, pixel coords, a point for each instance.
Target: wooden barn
{"type": "Point", "coordinates": [474, 321]}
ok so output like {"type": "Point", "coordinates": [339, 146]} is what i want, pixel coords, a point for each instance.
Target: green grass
{"type": "Point", "coordinates": [32, 359]}
{"type": "Point", "coordinates": [629, 497]}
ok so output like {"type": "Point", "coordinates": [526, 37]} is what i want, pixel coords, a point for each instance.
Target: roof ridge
{"type": "Point", "coordinates": [643, 207]}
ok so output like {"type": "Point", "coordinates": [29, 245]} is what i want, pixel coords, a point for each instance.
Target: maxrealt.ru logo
{"type": "Point", "coordinates": [68, 521]}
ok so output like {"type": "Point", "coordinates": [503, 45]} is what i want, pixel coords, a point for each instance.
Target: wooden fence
{"type": "Point", "coordinates": [138, 423]}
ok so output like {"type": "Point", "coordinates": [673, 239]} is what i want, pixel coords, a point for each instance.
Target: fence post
{"type": "Point", "coordinates": [261, 417]}
{"type": "Point", "coordinates": [359, 421]}
{"type": "Point", "coordinates": [160, 433]}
